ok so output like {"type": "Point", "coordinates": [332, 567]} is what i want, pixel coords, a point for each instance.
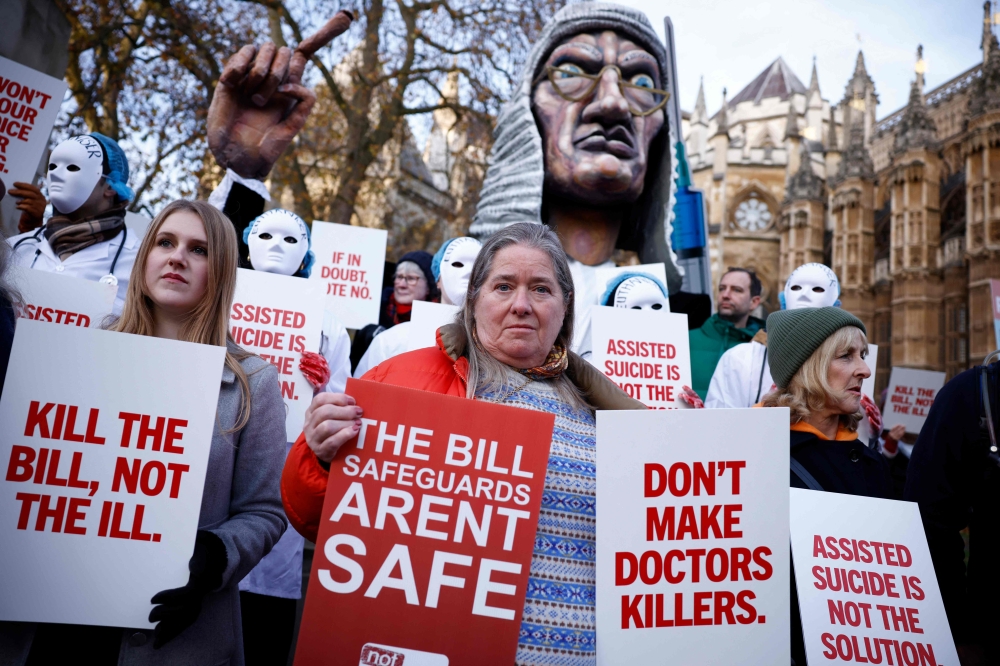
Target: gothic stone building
{"type": "Point", "coordinates": [905, 209]}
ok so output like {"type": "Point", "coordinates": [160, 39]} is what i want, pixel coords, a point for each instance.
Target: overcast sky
{"type": "Point", "coordinates": [729, 42]}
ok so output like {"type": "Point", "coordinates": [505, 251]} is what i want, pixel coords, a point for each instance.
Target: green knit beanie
{"type": "Point", "coordinates": [793, 336]}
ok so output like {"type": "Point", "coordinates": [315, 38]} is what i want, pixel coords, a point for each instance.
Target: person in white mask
{"type": "Point", "coordinates": [636, 291]}
{"type": "Point", "coordinates": [279, 242]}
{"type": "Point", "coordinates": [452, 266]}
{"type": "Point", "coordinates": [631, 290]}
{"type": "Point", "coordinates": [86, 236]}
{"type": "Point", "coordinates": [743, 375]}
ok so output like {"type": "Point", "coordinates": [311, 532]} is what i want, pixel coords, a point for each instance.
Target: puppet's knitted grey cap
{"type": "Point", "coordinates": [793, 336]}
{"type": "Point", "coordinates": [512, 188]}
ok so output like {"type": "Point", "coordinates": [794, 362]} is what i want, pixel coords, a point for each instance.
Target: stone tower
{"type": "Point", "coordinates": [917, 280]}
{"type": "Point", "coordinates": [981, 150]}
{"type": "Point", "coordinates": [852, 217]}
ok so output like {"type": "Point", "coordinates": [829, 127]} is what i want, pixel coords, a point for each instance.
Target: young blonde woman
{"type": "Point", "coordinates": [182, 288]}
{"type": "Point", "coordinates": [817, 358]}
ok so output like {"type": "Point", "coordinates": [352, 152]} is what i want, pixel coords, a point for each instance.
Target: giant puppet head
{"type": "Point", "coordinates": [811, 286]}
{"type": "Point", "coordinates": [76, 167]}
{"type": "Point", "coordinates": [452, 267]}
{"type": "Point", "coordinates": [279, 243]}
{"type": "Point", "coordinates": [587, 130]}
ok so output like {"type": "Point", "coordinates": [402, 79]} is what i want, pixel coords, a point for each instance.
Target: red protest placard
{"type": "Point", "coordinates": [427, 534]}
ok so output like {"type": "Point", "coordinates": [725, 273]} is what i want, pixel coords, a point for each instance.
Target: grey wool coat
{"type": "Point", "coordinates": [241, 505]}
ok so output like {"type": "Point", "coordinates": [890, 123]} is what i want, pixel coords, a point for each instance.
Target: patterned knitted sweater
{"type": "Point", "coordinates": [558, 624]}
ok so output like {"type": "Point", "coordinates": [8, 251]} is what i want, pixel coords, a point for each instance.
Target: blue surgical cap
{"type": "Point", "coordinates": [613, 284]}
{"type": "Point", "coordinates": [117, 175]}
{"type": "Point", "coordinates": [308, 260]}
{"type": "Point", "coordinates": [439, 257]}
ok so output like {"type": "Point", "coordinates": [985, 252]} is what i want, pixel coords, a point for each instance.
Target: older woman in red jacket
{"type": "Point", "coordinates": [509, 345]}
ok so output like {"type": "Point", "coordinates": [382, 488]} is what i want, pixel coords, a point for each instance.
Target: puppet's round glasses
{"type": "Point", "coordinates": [574, 85]}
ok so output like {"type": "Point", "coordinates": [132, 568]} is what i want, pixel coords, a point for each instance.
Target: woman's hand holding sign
{"type": "Point", "coordinates": [331, 421]}
{"type": "Point", "coordinates": [260, 104]}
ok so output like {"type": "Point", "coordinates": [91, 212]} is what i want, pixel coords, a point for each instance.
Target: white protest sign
{"type": "Point", "coordinates": [62, 299]}
{"type": "Point", "coordinates": [105, 445]}
{"type": "Point", "coordinates": [137, 224]}
{"type": "Point", "coordinates": [29, 103]}
{"type": "Point", "coordinates": [868, 385]}
{"type": "Point", "coordinates": [349, 262]}
{"type": "Point", "coordinates": [692, 544]}
{"type": "Point", "coordinates": [865, 580]}
{"type": "Point", "coordinates": [645, 352]}
{"type": "Point", "coordinates": [425, 319]}
{"type": "Point", "coordinates": [911, 394]}
{"type": "Point", "coordinates": [608, 273]}
{"type": "Point", "coordinates": [278, 317]}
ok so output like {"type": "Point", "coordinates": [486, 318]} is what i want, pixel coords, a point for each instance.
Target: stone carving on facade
{"type": "Point", "coordinates": [856, 161]}
{"type": "Point", "coordinates": [986, 89]}
{"type": "Point", "coordinates": [804, 183]}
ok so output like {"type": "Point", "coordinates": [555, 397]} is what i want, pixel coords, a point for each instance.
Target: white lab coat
{"type": "Point", "coordinates": [90, 263]}
{"type": "Point", "coordinates": [742, 377]}
{"type": "Point", "coordinates": [390, 342]}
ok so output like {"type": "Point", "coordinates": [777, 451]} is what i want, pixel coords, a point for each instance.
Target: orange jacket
{"type": "Point", "coordinates": [439, 370]}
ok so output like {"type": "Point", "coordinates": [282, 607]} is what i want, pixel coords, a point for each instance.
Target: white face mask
{"type": "Point", "coordinates": [456, 268]}
{"type": "Point", "coordinates": [639, 293]}
{"type": "Point", "coordinates": [75, 167]}
{"type": "Point", "coordinates": [278, 242]}
{"type": "Point", "coordinates": [811, 286]}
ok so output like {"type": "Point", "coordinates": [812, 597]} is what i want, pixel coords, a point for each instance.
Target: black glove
{"type": "Point", "coordinates": [178, 608]}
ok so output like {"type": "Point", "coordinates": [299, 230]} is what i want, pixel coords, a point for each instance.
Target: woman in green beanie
{"type": "Point", "coordinates": [817, 358]}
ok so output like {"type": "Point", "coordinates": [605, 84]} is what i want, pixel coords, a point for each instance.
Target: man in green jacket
{"type": "Point", "coordinates": [739, 294]}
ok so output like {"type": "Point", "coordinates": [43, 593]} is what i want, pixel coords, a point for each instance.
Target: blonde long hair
{"type": "Point", "coordinates": [208, 322]}
{"type": "Point", "coordinates": [809, 390]}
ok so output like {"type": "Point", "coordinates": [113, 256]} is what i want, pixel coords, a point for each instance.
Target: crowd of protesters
{"type": "Point", "coordinates": [520, 304]}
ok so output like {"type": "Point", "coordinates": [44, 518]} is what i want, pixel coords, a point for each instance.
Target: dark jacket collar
{"type": "Point", "coordinates": [717, 327]}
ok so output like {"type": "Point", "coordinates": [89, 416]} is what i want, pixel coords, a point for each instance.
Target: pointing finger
{"type": "Point", "coordinates": [334, 27]}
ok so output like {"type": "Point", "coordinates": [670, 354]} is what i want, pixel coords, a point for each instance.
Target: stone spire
{"type": "Point", "coordinates": [860, 98]}
{"type": "Point", "coordinates": [916, 128]}
{"type": "Point", "coordinates": [804, 183]}
{"type": "Point", "coordinates": [813, 81]}
{"type": "Point", "coordinates": [791, 121]}
{"type": "Point", "coordinates": [856, 162]}
{"type": "Point", "coordinates": [723, 118]}
{"type": "Point", "coordinates": [921, 67]}
{"type": "Point", "coordinates": [831, 138]}
{"type": "Point", "coordinates": [989, 41]}
{"type": "Point", "coordinates": [700, 110]}
{"type": "Point", "coordinates": [859, 66]}
{"type": "Point", "coordinates": [985, 93]}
